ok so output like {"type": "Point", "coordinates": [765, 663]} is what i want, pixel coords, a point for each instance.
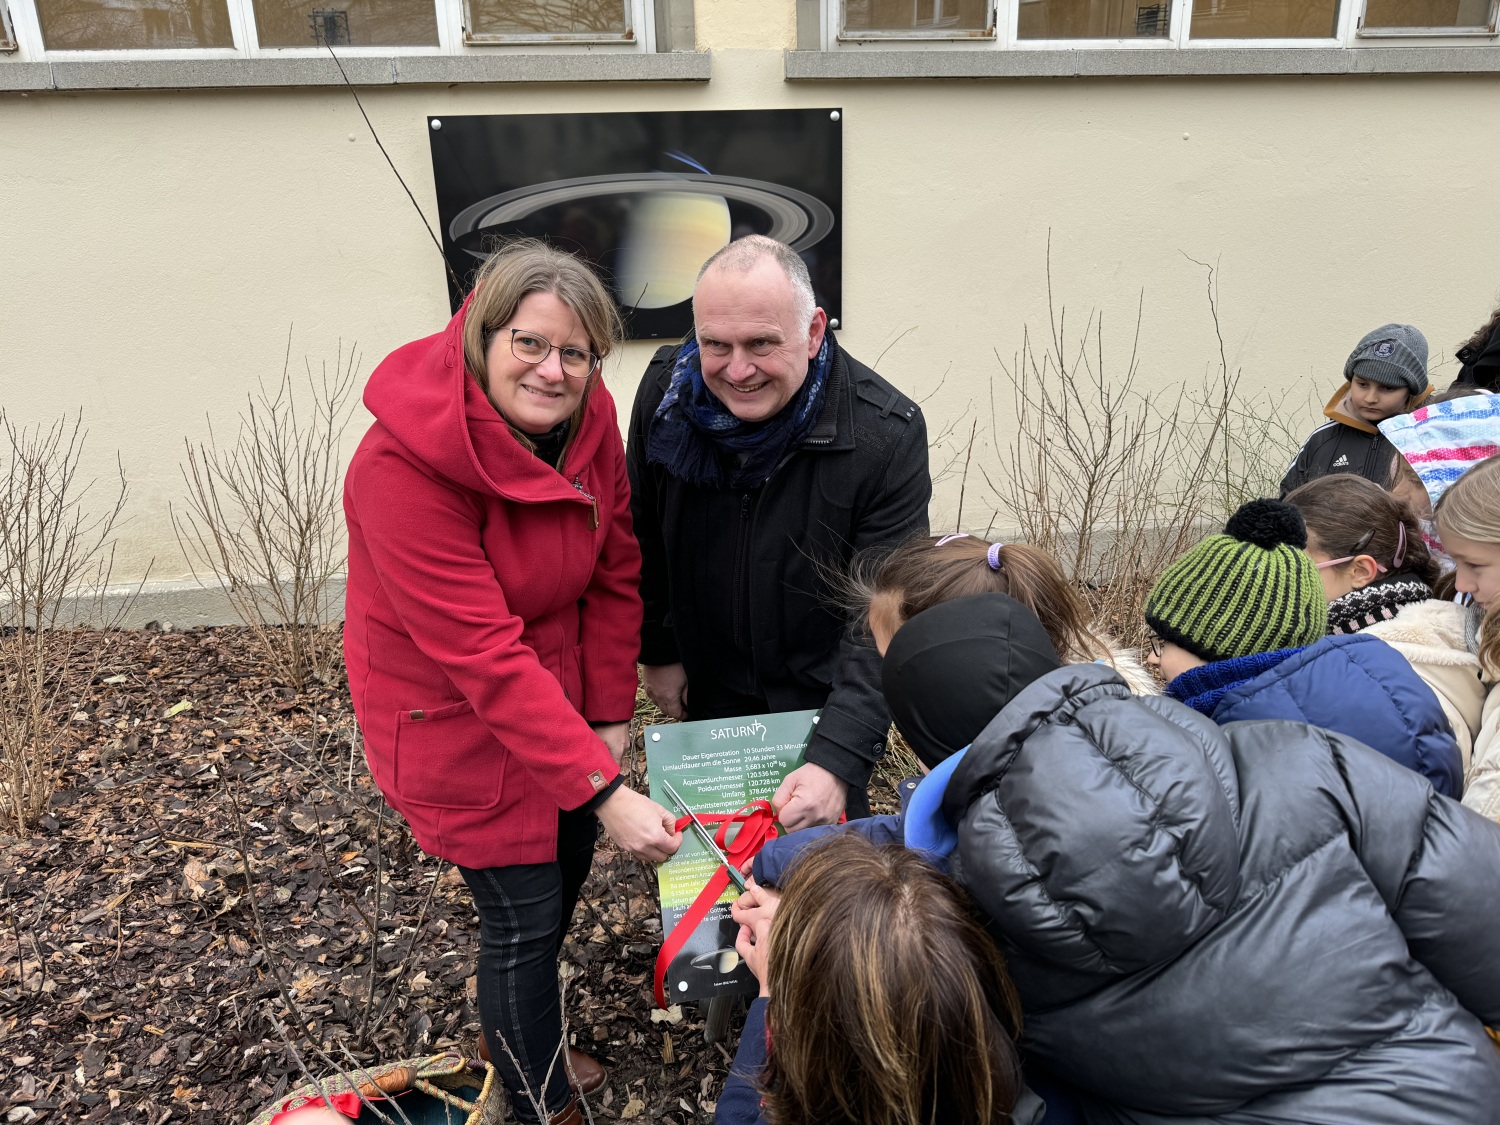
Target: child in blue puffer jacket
{"type": "Point", "coordinates": [1240, 628]}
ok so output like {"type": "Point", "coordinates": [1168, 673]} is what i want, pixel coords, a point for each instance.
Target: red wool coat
{"type": "Point", "coordinates": [492, 613]}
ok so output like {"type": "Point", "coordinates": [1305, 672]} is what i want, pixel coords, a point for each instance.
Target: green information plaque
{"type": "Point", "coordinates": [717, 767]}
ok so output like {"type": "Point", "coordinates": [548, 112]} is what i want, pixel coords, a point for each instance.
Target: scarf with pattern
{"type": "Point", "coordinates": [1379, 601]}
{"type": "Point", "coordinates": [697, 439]}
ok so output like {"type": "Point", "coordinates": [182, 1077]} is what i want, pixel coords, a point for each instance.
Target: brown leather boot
{"type": "Point", "coordinates": [570, 1114]}
{"type": "Point", "coordinates": [585, 1075]}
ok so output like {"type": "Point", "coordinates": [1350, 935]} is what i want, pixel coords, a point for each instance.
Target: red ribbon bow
{"type": "Point", "coordinates": [756, 828]}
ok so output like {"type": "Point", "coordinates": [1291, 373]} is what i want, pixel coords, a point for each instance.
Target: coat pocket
{"type": "Point", "coordinates": [447, 758]}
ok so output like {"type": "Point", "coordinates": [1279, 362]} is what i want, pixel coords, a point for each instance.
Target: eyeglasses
{"type": "Point", "coordinates": [1364, 541]}
{"type": "Point", "coordinates": [528, 347]}
{"type": "Point", "coordinates": [1154, 643]}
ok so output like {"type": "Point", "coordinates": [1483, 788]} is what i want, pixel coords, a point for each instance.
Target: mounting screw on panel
{"type": "Point", "coordinates": [436, 124]}
{"type": "Point", "coordinates": [834, 116]}
{"type": "Point", "coordinates": [833, 322]}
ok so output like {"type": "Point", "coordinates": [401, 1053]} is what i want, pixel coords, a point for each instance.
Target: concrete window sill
{"type": "Point", "coordinates": [364, 70]}
{"type": "Point", "coordinates": [1164, 63]}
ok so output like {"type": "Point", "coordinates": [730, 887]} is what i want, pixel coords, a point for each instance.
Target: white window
{"type": "Point", "coordinates": [1070, 24]}
{"type": "Point", "coordinates": [7, 34]}
{"type": "Point", "coordinates": [93, 29]}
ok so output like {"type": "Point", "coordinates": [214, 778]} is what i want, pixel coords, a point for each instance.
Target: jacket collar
{"type": "Point", "coordinates": [834, 430]}
{"type": "Point", "coordinates": [1336, 409]}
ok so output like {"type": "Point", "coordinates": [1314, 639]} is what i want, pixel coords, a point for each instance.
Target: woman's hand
{"type": "Point", "coordinates": [754, 911]}
{"type": "Point", "coordinates": [639, 825]}
{"type": "Point", "coordinates": [616, 736]}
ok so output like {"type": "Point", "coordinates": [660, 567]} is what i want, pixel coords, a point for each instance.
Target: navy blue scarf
{"type": "Point", "coordinates": [1203, 687]}
{"type": "Point", "coordinates": [696, 438]}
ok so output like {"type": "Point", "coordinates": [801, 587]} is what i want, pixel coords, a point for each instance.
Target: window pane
{"type": "Point", "coordinates": [100, 25]}
{"type": "Point", "coordinates": [359, 23]}
{"type": "Point", "coordinates": [953, 16]}
{"type": "Point", "coordinates": [1264, 19]}
{"type": "Point", "coordinates": [1427, 13]}
{"type": "Point", "coordinates": [548, 17]}
{"type": "Point", "coordinates": [1095, 19]}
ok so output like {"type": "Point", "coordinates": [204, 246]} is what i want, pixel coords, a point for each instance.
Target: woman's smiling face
{"type": "Point", "coordinates": [535, 397]}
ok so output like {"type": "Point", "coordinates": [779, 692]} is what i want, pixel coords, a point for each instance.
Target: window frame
{"type": "Point", "coordinates": [1006, 15]}
{"type": "Point", "coordinates": [8, 39]}
{"type": "Point", "coordinates": [841, 34]}
{"type": "Point", "coordinates": [1484, 31]}
{"type": "Point", "coordinates": [451, 16]}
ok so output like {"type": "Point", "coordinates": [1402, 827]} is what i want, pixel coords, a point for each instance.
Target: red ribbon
{"type": "Point", "coordinates": [348, 1104]}
{"type": "Point", "coordinates": [757, 828]}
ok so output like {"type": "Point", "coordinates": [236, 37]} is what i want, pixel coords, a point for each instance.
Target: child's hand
{"type": "Point", "coordinates": [754, 911]}
{"type": "Point", "coordinates": [753, 946]}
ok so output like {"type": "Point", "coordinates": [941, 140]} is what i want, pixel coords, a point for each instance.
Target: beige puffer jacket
{"type": "Point", "coordinates": [1432, 635]}
{"type": "Point", "coordinates": [1483, 791]}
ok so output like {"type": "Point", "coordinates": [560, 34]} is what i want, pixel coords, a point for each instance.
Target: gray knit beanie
{"type": "Point", "coordinates": [1394, 355]}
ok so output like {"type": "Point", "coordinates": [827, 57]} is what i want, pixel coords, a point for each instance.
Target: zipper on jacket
{"type": "Point", "coordinates": [741, 575]}
{"type": "Point", "coordinates": [593, 504]}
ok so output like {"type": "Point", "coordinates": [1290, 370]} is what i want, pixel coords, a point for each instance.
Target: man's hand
{"type": "Point", "coordinates": [754, 911]}
{"type": "Point", "coordinates": [639, 825]}
{"type": "Point", "coordinates": [616, 736]}
{"type": "Point", "coordinates": [667, 687]}
{"type": "Point", "coordinates": [810, 795]}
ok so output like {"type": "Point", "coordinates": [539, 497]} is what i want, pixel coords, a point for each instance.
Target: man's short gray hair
{"type": "Point", "coordinates": [744, 254]}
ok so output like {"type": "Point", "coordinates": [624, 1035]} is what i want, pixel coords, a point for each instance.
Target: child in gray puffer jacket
{"type": "Point", "coordinates": [1263, 923]}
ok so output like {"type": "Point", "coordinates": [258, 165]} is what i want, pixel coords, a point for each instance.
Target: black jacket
{"type": "Point", "coordinates": [1344, 444]}
{"type": "Point", "coordinates": [860, 480]}
{"type": "Point", "coordinates": [1262, 923]}
{"type": "Point", "coordinates": [1481, 364]}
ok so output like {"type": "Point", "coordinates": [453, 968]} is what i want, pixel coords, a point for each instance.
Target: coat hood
{"type": "Point", "coordinates": [1098, 830]}
{"type": "Point", "coordinates": [426, 399]}
{"type": "Point", "coordinates": [950, 670]}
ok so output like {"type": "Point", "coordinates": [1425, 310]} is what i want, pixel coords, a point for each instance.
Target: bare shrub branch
{"type": "Point", "coordinates": [54, 550]}
{"type": "Point", "coordinates": [264, 515]}
{"type": "Point", "coordinates": [1115, 481]}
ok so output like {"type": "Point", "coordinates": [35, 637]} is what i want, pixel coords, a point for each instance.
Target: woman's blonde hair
{"type": "Point", "coordinates": [1471, 508]}
{"type": "Point", "coordinates": [928, 570]}
{"type": "Point", "coordinates": [528, 266]}
{"type": "Point", "coordinates": [889, 1004]}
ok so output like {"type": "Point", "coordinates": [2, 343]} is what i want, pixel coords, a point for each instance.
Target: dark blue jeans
{"type": "Point", "coordinates": [524, 912]}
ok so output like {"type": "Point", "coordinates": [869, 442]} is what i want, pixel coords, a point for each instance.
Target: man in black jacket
{"type": "Point", "coordinates": [762, 457]}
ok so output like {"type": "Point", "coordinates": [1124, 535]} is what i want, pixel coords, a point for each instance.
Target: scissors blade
{"type": "Point", "coordinates": [705, 836]}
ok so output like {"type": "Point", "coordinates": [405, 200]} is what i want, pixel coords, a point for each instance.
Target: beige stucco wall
{"type": "Point", "coordinates": [160, 246]}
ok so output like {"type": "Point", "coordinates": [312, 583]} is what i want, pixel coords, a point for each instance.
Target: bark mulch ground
{"type": "Point", "coordinates": [219, 898]}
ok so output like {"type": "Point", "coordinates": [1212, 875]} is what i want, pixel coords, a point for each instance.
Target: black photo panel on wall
{"type": "Point", "coordinates": [645, 198]}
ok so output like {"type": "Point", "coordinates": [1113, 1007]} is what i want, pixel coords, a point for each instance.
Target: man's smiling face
{"type": "Point", "coordinates": [754, 351]}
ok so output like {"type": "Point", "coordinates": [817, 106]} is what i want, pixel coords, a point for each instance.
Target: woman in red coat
{"type": "Point", "coordinates": [492, 627]}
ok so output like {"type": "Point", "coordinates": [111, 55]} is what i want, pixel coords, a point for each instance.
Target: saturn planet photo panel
{"type": "Point", "coordinates": [645, 197]}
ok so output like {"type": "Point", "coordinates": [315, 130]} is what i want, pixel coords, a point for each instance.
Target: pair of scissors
{"type": "Point", "coordinates": [705, 836]}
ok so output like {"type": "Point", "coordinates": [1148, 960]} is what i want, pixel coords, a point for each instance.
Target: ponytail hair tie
{"type": "Point", "coordinates": [945, 540]}
{"type": "Point", "coordinates": [1400, 546]}
{"type": "Point", "coordinates": [993, 556]}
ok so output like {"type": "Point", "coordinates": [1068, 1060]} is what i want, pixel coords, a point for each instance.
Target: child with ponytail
{"type": "Point", "coordinates": [1468, 521]}
{"type": "Point", "coordinates": [925, 572]}
{"type": "Point", "coordinates": [1379, 576]}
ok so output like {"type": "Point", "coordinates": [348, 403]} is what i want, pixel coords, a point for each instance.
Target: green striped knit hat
{"type": "Point", "coordinates": [1251, 589]}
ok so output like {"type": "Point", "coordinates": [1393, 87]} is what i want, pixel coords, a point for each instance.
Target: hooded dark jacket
{"type": "Point", "coordinates": [1263, 923]}
{"type": "Point", "coordinates": [859, 481]}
